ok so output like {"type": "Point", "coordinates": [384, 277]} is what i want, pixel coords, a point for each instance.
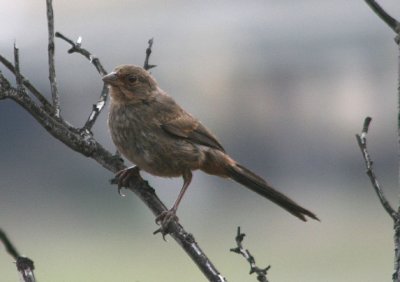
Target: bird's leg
{"type": "Point", "coordinates": [165, 217]}
{"type": "Point", "coordinates": [123, 177]}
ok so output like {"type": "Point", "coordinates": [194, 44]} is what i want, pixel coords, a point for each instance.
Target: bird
{"type": "Point", "coordinates": [156, 134]}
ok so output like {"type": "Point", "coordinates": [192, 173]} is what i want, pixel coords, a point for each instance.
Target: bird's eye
{"type": "Point", "coordinates": [132, 78]}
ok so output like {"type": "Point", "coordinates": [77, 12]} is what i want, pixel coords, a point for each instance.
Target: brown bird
{"type": "Point", "coordinates": [151, 130]}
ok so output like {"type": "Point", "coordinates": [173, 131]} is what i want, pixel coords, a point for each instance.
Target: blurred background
{"type": "Point", "coordinates": [285, 85]}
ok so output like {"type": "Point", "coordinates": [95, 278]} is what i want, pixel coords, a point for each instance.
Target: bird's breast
{"type": "Point", "coordinates": [138, 136]}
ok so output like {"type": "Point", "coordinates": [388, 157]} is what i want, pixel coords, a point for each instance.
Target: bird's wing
{"type": "Point", "coordinates": [187, 127]}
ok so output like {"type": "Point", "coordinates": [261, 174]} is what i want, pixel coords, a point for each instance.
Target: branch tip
{"type": "Point", "coordinates": [367, 122]}
{"type": "Point", "coordinates": [51, 47]}
{"type": "Point", "coordinates": [380, 12]}
{"type": "Point", "coordinates": [18, 77]}
{"type": "Point", "coordinates": [362, 143]}
{"type": "Point", "coordinates": [146, 64]}
{"type": "Point", "coordinates": [261, 272]}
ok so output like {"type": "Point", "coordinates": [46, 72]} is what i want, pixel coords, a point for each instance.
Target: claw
{"type": "Point", "coordinates": [123, 177]}
{"type": "Point", "coordinates": [162, 231]}
{"type": "Point", "coordinates": [119, 192]}
{"type": "Point", "coordinates": [164, 219]}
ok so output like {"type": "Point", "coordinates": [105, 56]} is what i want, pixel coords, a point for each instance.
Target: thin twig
{"type": "Point", "coordinates": [146, 64]}
{"type": "Point", "coordinates": [27, 84]}
{"type": "Point", "coordinates": [52, 70]}
{"type": "Point", "coordinates": [362, 143]}
{"type": "Point", "coordinates": [389, 20]}
{"type": "Point", "coordinates": [98, 107]}
{"type": "Point", "coordinates": [18, 77]}
{"type": "Point", "coordinates": [261, 272]}
{"type": "Point", "coordinates": [25, 266]}
{"type": "Point", "coordinates": [10, 248]}
{"type": "Point", "coordinates": [76, 48]}
{"type": "Point", "coordinates": [396, 273]}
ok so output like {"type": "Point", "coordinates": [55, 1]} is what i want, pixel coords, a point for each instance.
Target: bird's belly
{"type": "Point", "coordinates": [157, 153]}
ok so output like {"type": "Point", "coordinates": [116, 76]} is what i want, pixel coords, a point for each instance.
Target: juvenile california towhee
{"type": "Point", "coordinates": [151, 130]}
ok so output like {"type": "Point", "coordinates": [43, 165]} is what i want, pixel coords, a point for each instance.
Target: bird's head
{"type": "Point", "coordinates": [130, 83]}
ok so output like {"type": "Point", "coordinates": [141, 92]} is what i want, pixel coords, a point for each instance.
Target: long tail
{"type": "Point", "coordinates": [257, 184]}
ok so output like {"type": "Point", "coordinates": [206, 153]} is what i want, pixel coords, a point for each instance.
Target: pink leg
{"type": "Point", "coordinates": [166, 217]}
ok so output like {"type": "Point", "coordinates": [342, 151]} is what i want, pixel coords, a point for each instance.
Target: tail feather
{"type": "Point", "coordinates": [255, 183]}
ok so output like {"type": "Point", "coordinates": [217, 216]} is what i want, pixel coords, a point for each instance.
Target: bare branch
{"type": "Point", "coordinates": [362, 143]}
{"type": "Point", "coordinates": [18, 77]}
{"type": "Point", "coordinates": [4, 86]}
{"type": "Point", "coordinates": [25, 266]}
{"type": "Point", "coordinates": [98, 107]}
{"type": "Point", "coordinates": [52, 70]}
{"type": "Point", "coordinates": [261, 272]}
{"type": "Point", "coordinates": [76, 48]}
{"type": "Point", "coordinates": [88, 146]}
{"type": "Point", "coordinates": [10, 248]}
{"type": "Point", "coordinates": [389, 20]}
{"type": "Point", "coordinates": [146, 65]}
{"type": "Point", "coordinates": [55, 126]}
{"type": "Point", "coordinates": [186, 240]}
{"type": "Point", "coordinates": [48, 107]}
{"type": "Point", "coordinates": [83, 142]}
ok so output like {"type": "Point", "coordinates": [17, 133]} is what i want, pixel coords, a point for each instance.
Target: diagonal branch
{"type": "Point", "coordinates": [9, 246]}
{"type": "Point", "coordinates": [51, 47]}
{"type": "Point", "coordinates": [84, 143]}
{"type": "Point", "coordinates": [96, 109]}
{"type": "Point", "coordinates": [47, 106]}
{"type": "Point", "coordinates": [89, 147]}
{"type": "Point", "coordinates": [25, 266]}
{"type": "Point", "coordinates": [362, 143]}
{"type": "Point", "coordinates": [389, 20]}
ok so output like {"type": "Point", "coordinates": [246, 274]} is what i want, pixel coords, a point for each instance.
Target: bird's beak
{"type": "Point", "coordinates": [110, 78]}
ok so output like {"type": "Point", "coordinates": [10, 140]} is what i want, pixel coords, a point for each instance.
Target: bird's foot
{"type": "Point", "coordinates": [164, 219]}
{"type": "Point", "coordinates": [123, 177]}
